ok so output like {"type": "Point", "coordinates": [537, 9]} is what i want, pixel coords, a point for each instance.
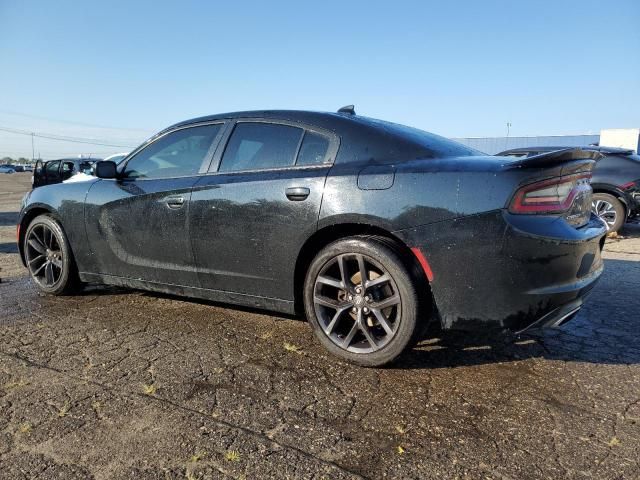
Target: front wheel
{"type": "Point", "coordinates": [361, 301]}
{"type": "Point", "coordinates": [609, 209]}
{"type": "Point", "coordinates": [48, 257]}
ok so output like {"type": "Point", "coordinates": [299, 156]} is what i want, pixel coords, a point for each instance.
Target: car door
{"type": "Point", "coordinates": [137, 224]}
{"type": "Point", "coordinates": [261, 200]}
{"type": "Point", "coordinates": [52, 172]}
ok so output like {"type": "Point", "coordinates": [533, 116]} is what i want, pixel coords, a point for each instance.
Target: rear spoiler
{"type": "Point", "coordinates": [554, 158]}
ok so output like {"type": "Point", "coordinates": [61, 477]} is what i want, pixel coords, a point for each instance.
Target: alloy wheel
{"type": "Point", "coordinates": [357, 303]}
{"type": "Point", "coordinates": [44, 255]}
{"type": "Point", "coordinates": [606, 211]}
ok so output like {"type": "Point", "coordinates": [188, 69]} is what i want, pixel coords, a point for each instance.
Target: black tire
{"type": "Point", "coordinates": [387, 277]}
{"type": "Point", "coordinates": [46, 243]}
{"type": "Point", "coordinates": [610, 209]}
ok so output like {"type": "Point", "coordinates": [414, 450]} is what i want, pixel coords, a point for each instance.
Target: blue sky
{"type": "Point", "coordinates": [457, 68]}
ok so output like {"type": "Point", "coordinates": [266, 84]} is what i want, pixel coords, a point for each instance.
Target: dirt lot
{"type": "Point", "coordinates": [122, 384]}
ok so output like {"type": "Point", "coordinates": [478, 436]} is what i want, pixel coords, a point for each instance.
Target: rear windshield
{"type": "Point", "coordinates": [437, 146]}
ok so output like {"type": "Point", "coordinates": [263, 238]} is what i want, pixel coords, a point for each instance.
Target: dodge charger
{"type": "Point", "coordinates": [370, 229]}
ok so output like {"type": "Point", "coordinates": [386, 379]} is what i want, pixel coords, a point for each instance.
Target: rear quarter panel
{"type": "Point", "coordinates": [421, 192]}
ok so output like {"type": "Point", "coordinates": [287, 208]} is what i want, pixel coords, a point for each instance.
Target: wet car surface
{"type": "Point", "coordinates": [115, 383]}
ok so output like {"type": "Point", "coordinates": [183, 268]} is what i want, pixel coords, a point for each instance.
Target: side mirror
{"type": "Point", "coordinates": [106, 169]}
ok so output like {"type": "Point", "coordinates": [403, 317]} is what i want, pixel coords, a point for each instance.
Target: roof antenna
{"type": "Point", "coordinates": [350, 109]}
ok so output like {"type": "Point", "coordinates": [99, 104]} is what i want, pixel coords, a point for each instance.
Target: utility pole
{"type": "Point", "coordinates": [33, 151]}
{"type": "Point", "coordinates": [508, 128]}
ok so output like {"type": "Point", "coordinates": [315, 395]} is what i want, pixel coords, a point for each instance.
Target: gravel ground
{"type": "Point", "coordinates": [121, 384]}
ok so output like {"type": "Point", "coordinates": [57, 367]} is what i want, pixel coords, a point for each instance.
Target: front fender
{"type": "Point", "coordinates": [65, 203]}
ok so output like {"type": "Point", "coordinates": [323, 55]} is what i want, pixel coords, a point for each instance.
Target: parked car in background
{"type": "Point", "coordinates": [57, 171]}
{"type": "Point", "coordinates": [371, 228]}
{"type": "Point", "coordinates": [615, 182]}
{"type": "Point", "coordinates": [7, 169]}
{"type": "Point", "coordinates": [18, 168]}
{"type": "Point", "coordinates": [86, 176]}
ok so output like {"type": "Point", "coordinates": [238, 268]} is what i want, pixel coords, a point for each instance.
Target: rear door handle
{"type": "Point", "coordinates": [175, 202]}
{"type": "Point", "coordinates": [297, 194]}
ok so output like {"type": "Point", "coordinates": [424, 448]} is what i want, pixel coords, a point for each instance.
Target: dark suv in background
{"type": "Point", "coordinates": [57, 171]}
{"type": "Point", "coordinates": [615, 182]}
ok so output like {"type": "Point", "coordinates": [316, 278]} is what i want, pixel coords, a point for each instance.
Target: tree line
{"type": "Point", "coordinates": [12, 161]}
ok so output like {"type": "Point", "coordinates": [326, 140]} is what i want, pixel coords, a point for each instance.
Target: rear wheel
{"type": "Point", "coordinates": [609, 209]}
{"type": "Point", "coordinates": [48, 257]}
{"type": "Point", "coordinates": [361, 301]}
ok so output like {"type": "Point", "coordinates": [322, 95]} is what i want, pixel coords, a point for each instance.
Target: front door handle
{"type": "Point", "coordinates": [297, 194]}
{"type": "Point", "coordinates": [175, 202]}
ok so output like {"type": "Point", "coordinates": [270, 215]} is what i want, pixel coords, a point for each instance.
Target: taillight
{"type": "Point", "coordinates": [627, 185]}
{"type": "Point", "coordinates": [552, 196]}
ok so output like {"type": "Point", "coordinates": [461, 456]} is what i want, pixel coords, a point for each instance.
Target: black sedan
{"type": "Point", "coordinates": [615, 182]}
{"type": "Point", "coordinates": [372, 229]}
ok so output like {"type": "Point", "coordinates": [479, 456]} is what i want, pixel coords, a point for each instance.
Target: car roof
{"type": "Point", "coordinates": [607, 150]}
{"type": "Point", "coordinates": [92, 159]}
{"type": "Point", "coordinates": [302, 116]}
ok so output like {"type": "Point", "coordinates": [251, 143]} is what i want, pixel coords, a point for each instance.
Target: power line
{"type": "Point", "coordinates": [62, 138]}
{"type": "Point", "coordinates": [70, 122]}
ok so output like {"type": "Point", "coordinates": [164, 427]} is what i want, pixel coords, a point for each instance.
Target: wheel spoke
{"type": "Point", "coordinates": [35, 259]}
{"type": "Point", "coordinates": [387, 302]}
{"type": "Point", "coordinates": [35, 274]}
{"type": "Point", "coordinates": [343, 271]}
{"type": "Point", "coordinates": [378, 281]}
{"type": "Point", "coordinates": [352, 333]}
{"type": "Point", "coordinates": [383, 321]}
{"type": "Point", "coordinates": [367, 334]}
{"type": "Point", "coordinates": [363, 271]}
{"type": "Point", "coordinates": [48, 273]}
{"type": "Point", "coordinates": [34, 242]}
{"type": "Point", "coordinates": [39, 238]}
{"type": "Point", "coordinates": [331, 282]}
{"type": "Point", "coordinates": [334, 320]}
{"type": "Point", "coordinates": [327, 302]}
{"type": "Point", "coordinates": [46, 237]}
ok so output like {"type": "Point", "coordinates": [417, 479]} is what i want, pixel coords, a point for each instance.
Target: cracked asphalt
{"type": "Point", "coordinates": [115, 384]}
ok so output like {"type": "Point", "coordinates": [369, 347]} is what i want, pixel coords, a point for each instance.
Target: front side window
{"type": "Point", "coordinates": [177, 154]}
{"type": "Point", "coordinates": [256, 146]}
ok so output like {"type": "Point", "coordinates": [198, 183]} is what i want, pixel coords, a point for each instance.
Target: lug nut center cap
{"type": "Point", "coordinates": [358, 301]}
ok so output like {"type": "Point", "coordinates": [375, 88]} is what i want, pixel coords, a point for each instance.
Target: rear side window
{"type": "Point", "coordinates": [313, 150]}
{"type": "Point", "coordinates": [256, 146]}
{"type": "Point", "coordinates": [67, 170]}
{"type": "Point", "coordinates": [86, 167]}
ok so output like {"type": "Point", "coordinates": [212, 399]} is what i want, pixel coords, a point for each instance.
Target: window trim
{"type": "Point", "coordinates": [329, 159]}
{"type": "Point", "coordinates": [206, 161]}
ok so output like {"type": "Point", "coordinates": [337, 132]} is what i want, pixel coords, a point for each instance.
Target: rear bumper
{"type": "Point", "coordinates": [503, 271]}
{"type": "Point", "coordinates": [557, 317]}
